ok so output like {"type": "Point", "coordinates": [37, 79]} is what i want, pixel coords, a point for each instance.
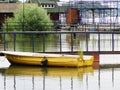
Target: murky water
{"type": "Point", "coordinates": [57, 43]}
{"type": "Point", "coordinates": [106, 77]}
{"type": "Point", "coordinates": [103, 77]}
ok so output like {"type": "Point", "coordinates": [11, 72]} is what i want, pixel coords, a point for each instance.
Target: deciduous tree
{"type": "Point", "coordinates": [29, 17]}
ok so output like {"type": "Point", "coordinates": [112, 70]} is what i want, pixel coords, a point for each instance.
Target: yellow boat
{"type": "Point", "coordinates": [48, 71]}
{"type": "Point", "coordinates": [44, 59]}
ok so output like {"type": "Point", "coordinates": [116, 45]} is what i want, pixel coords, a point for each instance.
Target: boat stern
{"type": "Point", "coordinates": [86, 61]}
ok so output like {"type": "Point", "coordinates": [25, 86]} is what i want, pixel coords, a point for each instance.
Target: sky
{"type": "Point", "coordinates": [88, 0]}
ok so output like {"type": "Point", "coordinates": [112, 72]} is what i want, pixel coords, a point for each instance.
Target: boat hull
{"type": "Point", "coordinates": [48, 59]}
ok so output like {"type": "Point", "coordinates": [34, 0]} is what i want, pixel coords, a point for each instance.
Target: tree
{"type": "Point", "coordinates": [29, 17]}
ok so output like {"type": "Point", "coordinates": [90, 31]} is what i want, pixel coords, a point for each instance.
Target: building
{"type": "Point", "coordinates": [51, 7]}
{"type": "Point", "coordinates": [8, 7]}
{"type": "Point", "coordinates": [56, 12]}
{"type": "Point", "coordinates": [7, 10]}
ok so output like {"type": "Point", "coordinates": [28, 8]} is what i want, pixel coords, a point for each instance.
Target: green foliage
{"type": "Point", "coordinates": [29, 17]}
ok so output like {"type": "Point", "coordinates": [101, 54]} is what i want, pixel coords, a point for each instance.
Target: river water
{"type": "Point", "coordinates": [106, 76]}
{"type": "Point", "coordinates": [63, 42]}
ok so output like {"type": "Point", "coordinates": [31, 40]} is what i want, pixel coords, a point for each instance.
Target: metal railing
{"type": "Point", "coordinates": [72, 38]}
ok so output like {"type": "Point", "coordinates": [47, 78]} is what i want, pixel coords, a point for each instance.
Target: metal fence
{"type": "Point", "coordinates": [100, 46]}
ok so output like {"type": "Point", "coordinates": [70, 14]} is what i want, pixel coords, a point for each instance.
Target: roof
{"type": "Point", "coordinates": [47, 1]}
{"type": "Point", "coordinates": [8, 7]}
{"type": "Point", "coordinates": [44, 1]}
{"type": "Point", "coordinates": [12, 7]}
{"type": "Point", "coordinates": [57, 8]}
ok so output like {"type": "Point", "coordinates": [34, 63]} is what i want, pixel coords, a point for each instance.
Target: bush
{"type": "Point", "coordinates": [28, 18]}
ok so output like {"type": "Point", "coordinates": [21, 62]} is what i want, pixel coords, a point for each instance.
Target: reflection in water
{"type": "Point", "coordinates": [47, 71]}
{"type": "Point", "coordinates": [59, 77]}
{"type": "Point", "coordinates": [66, 42]}
{"type": "Point", "coordinates": [51, 78]}
{"type": "Point", "coordinates": [106, 77]}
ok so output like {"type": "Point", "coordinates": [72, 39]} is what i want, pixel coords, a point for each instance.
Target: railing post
{"type": "Point", "coordinates": [98, 41]}
{"type": "Point", "coordinates": [32, 42]}
{"type": "Point", "coordinates": [112, 41]}
{"type": "Point", "coordinates": [60, 44]}
{"type": "Point", "coordinates": [4, 42]}
{"type": "Point", "coordinates": [87, 41]}
{"type": "Point", "coordinates": [43, 40]}
{"type": "Point", "coordinates": [72, 42]}
{"type": "Point", "coordinates": [14, 41]}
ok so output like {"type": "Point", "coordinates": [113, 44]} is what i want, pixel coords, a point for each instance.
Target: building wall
{"type": "Point", "coordinates": [54, 16]}
{"type": "Point", "coordinates": [3, 16]}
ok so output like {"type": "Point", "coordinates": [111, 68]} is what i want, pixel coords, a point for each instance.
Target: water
{"type": "Point", "coordinates": [106, 77]}
{"type": "Point", "coordinates": [64, 43]}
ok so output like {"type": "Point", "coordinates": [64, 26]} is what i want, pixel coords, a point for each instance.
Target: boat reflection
{"type": "Point", "coordinates": [48, 71]}
{"type": "Point", "coordinates": [45, 76]}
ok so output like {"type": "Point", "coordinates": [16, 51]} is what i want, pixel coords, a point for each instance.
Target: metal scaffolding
{"type": "Point", "coordinates": [96, 11]}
